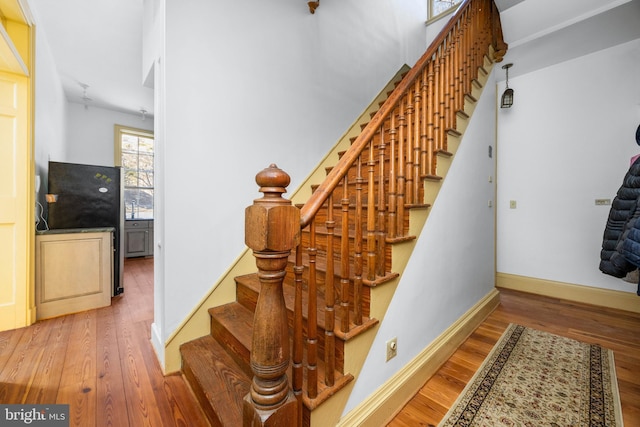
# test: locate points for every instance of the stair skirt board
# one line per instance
(383, 404)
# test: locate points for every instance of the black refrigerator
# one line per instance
(89, 196)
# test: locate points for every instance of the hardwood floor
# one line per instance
(100, 362)
(617, 330)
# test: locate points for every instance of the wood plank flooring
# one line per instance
(100, 362)
(617, 330)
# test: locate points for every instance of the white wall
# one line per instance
(50, 129)
(566, 142)
(254, 83)
(91, 133)
(452, 266)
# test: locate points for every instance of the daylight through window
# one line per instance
(438, 7)
(136, 158)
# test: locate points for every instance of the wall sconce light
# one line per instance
(313, 5)
(507, 96)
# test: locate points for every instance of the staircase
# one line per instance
(283, 352)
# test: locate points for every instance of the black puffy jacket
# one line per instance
(623, 213)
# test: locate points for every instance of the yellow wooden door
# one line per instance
(14, 229)
(17, 221)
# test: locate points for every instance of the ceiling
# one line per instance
(541, 33)
(99, 43)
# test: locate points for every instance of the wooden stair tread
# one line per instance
(198, 356)
(217, 381)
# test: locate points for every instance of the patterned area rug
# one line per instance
(533, 378)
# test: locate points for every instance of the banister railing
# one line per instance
(348, 224)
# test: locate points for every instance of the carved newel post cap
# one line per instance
(273, 180)
(272, 223)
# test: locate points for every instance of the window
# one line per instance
(134, 152)
(439, 7)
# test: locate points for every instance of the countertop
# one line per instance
(76, 230)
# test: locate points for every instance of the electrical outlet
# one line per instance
(392, 348)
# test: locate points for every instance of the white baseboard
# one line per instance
(609, 298)
(157, 344)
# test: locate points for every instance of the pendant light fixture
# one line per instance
(507, 96)
(85, 98)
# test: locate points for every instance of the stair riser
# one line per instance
(234, 347)
(200, 394)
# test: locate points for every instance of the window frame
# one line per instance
(119, 132)
(432, 18)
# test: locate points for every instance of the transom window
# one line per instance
(134, 152)
(440, 7)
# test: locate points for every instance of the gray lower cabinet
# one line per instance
(138, 238)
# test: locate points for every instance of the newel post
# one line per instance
(272, 230)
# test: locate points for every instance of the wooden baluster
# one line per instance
(460, 61)
(417, 182)
(442, 138)
(456, 70)
(344, 259)
(436, 103)
(431, 95)
(371, 215)
(408, 153)
(481, 38)
(474, 45)
(329, 297)
(357, 247)
(272, 230)
(452, 81)
(447, 84)
(470, 61)
(312, 316)
(393, 176)
(401, 170)
(381, 234)
(424, 124)
(479, 41)
(467, 48)
(298, 343)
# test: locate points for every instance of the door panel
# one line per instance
(14, 201)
